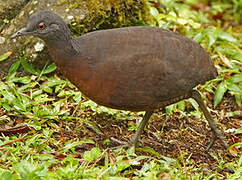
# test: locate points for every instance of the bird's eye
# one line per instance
(41, 26)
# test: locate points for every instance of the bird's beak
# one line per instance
(21, 32)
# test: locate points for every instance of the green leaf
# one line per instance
(27, 86)
(8, 96)
(233, 113)
(49, 69)
(28, 67)
(23, 80)
(235, 88)
(194, 104)
(5, 55)
(14, 67)
(28, 170)
(227, 37)
(236, 78)
(194, 24)
(6, 106)
(212, 38)
(198, 37)
(51, 83)
(6, 175)
(219, 93)
(181, 105)
(93, 126)
(42, 98)
(92, 155)
(169, 109)
(69, 145)
(154, 12)
(47, 89)
(149, 150)
(19, 105)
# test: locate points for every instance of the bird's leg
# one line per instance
(216, 133)
(135, 139)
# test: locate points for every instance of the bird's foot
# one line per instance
(128, 144)
(216, 133)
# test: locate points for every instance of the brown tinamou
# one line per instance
(131, 68)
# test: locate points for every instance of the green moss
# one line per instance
(106, 14)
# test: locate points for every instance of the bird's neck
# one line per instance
(61, 48)
(73, 65)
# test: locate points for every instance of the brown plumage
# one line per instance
(132, 68)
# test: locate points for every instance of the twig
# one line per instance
(183, 162)
(15, 130)
(13, 141)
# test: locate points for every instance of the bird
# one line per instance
(137, 68)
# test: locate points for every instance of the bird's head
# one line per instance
(45, 25)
